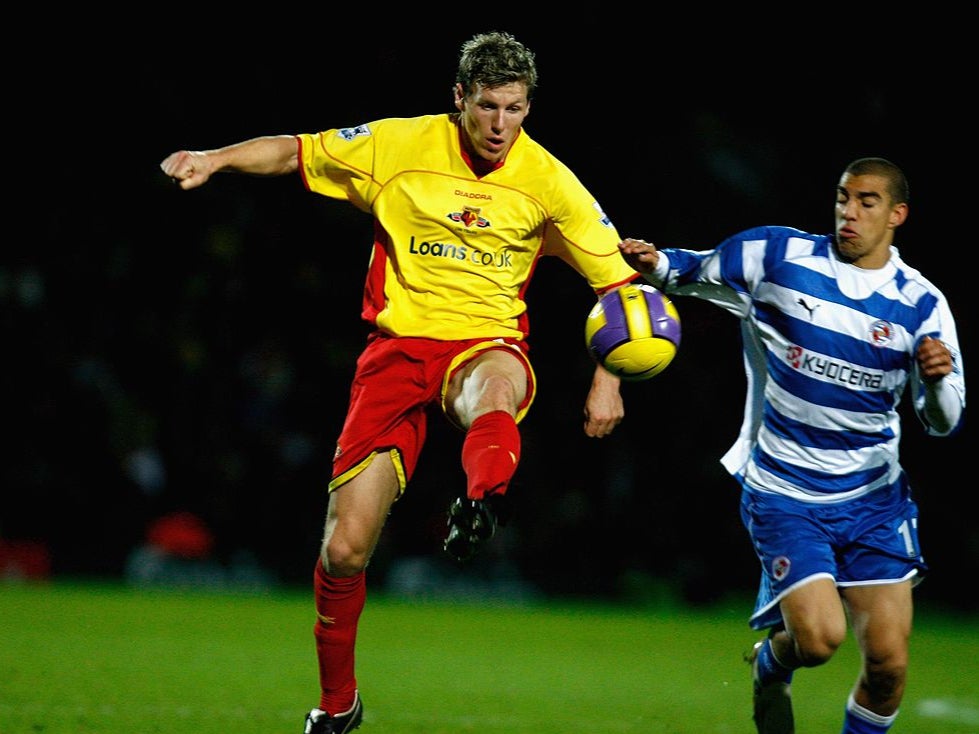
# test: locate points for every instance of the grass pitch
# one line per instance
(103, 659)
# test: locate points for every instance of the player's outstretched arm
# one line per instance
(604, 409)
(270, 155)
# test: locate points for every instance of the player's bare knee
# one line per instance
(343, 559)
(817, 649)
(498, 392)
(815, 655)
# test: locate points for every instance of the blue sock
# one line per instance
(769, 668)
(858, 720)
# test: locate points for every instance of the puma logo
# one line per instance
(810, 309)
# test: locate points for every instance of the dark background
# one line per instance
(170, 350)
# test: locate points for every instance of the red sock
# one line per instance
(490, 453)
(339, 602)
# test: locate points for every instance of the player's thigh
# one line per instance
(494, 379)
(815, 617)
(881, 616)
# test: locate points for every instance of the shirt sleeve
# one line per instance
(339, 163)
(581, 233)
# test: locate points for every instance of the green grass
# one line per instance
(101, 659)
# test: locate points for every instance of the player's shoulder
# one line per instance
(912, 281)
(408, 125)
(529, 152)
(781, 241)
(396, 127)
(778, 233)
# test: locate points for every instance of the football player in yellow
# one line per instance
(464, 204)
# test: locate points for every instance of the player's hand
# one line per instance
(604, 409)
(188, 168)
(640, 255)
(934, 359)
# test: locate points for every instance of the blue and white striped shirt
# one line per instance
(828, 351)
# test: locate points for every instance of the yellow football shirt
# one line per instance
(454, 253)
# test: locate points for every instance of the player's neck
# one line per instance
(477, 164)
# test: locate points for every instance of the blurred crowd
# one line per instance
(188, 354)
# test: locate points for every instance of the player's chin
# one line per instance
(493, 151)
(848, 247)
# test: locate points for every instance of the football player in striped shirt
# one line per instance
(836, 329)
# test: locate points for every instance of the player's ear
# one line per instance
(899, 214)
(459, 95)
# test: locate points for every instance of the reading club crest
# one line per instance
(881, 333)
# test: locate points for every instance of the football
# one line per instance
(633, 331)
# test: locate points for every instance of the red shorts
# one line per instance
(396, 380)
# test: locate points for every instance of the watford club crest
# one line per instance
(470, 217)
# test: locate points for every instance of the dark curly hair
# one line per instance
(493, 59)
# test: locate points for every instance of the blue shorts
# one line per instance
(868, 540)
